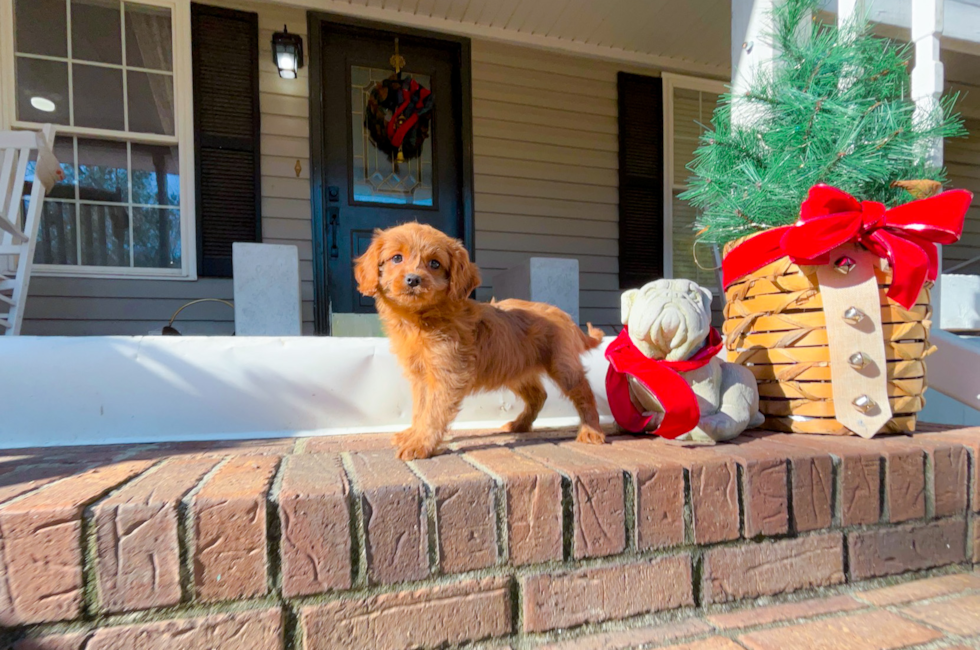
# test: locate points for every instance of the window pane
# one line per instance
(102, 171)
(377, 177)
(41, 86)
(156, 238)
(41, 27)
(98, 97)
(156, 180)
(56, 240)
(95, 31)
(151, 103)
(149, 39)
(105, 235)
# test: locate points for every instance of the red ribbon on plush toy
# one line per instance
(905, 235)
(662, 379)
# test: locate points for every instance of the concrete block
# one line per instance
(960, 302)
(550, 280)
(267, 290)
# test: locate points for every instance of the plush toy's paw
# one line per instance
(590, 436)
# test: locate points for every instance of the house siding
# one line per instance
(546, 184)
(962, 158)
(545, 143)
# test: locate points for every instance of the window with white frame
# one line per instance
(106, 72)
(689, 106)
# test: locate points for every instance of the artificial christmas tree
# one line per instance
(821, 193)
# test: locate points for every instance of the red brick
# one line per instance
(765, 487)
(568, 599)
(350, 443)
(598, 499)
(229, 530)
(811, 483)
(657, 491)
(758, 616)
(138, 563)
(626, 639)
(955, 616)
(253, 629)
(714, 487)
(975, 539)
(905, 478)
(466, 521)
(866, 631)
(41, 545)
(948, 477)
(434, 616)
(911, 547)
(771, 568)
(970, 439)
(921, 589)
(314, 524)
(221, 448)
(858, 475)
(395, 521)
(711, 643)
(533, 504)
(27, 478)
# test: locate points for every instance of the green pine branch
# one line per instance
(835, 109)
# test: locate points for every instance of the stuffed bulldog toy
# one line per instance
(664, 375)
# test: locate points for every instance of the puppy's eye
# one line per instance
(434, 264)
(397, 259)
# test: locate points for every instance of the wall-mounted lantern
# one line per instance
(287, 53)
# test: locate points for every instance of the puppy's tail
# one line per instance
(594, 338)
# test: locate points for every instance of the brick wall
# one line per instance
(331, 542)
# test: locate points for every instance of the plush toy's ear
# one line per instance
(464, 276)
(707, 297)
(627, 300)
(367, 270)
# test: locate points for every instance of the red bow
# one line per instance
(905, 235)
(662, 379)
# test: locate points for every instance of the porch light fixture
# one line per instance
(42, 104)
(287, 53)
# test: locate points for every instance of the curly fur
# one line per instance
(451, 346)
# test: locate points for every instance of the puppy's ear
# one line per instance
(464, 276)
(626, 301)
(366, 267)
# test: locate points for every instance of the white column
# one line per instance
(927, 87)
(750, 52)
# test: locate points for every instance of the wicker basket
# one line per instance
(775, 326)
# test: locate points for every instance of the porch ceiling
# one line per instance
(690, 36)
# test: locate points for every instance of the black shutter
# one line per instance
(226, 134)
(641, 180)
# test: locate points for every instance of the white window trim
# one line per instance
(183, 138)
(670, 83)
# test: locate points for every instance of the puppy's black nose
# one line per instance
(413, 280)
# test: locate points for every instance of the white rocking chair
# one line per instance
(18, 237)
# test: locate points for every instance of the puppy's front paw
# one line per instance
(402, 438)
(590, 436)
(518, 426)
(415, 451)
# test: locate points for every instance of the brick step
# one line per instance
(332, 542)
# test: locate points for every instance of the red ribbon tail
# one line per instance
(910, 266)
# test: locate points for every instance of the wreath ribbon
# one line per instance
(905, 235)
(412, 102)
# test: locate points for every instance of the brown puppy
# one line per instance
(451, 346)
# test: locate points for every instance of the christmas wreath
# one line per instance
(398, 116)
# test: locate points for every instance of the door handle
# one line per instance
(334, 220)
